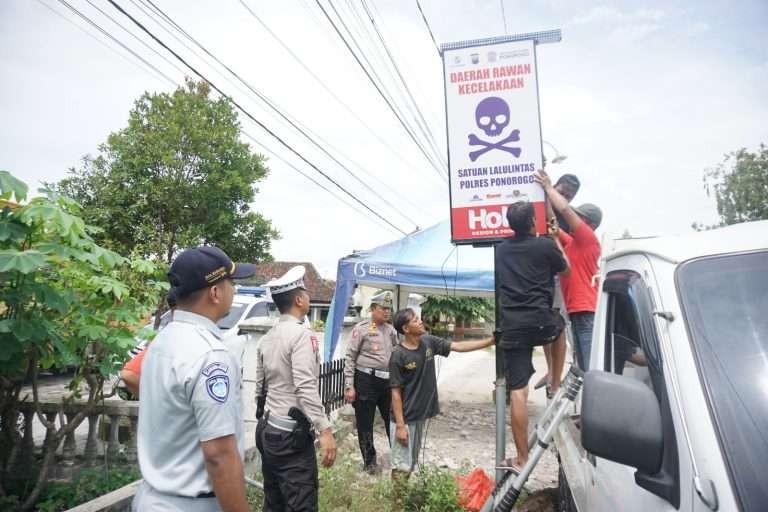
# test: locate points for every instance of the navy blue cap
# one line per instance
(202, 267)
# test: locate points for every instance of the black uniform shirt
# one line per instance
(526, 268)
(413, 371)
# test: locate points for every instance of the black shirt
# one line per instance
(526, 268)
(413, 371)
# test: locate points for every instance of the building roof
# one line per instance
(320, 290)
(748, 236)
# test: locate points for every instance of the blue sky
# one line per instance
(641, 97)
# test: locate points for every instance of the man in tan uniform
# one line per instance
(366, 373)
(287, 369)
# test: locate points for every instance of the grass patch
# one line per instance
(344, 488)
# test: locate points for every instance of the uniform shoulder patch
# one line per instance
(217, 381)
(215, 367)
(218, 387)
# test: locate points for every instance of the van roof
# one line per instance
(747, 236)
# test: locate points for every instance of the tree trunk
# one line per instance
(49, 452)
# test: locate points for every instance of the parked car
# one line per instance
(674, 409)
(249, 303)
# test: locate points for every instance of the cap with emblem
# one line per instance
(204, 266)
(383, 299)
(291, 280)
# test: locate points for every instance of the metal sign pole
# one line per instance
(501, 383)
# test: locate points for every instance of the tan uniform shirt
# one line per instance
(287, 370)
(370, 346)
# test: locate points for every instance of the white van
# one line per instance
(674, 409)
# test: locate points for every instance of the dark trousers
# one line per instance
(582, 324)
(289, 471)
(372, 392)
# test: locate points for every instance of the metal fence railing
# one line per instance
(332, 384)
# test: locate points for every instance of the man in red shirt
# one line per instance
(583, 251)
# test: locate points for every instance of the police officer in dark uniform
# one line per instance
(366, 373)
(289, 408)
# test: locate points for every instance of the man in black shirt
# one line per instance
(414, 386)
(526, 265)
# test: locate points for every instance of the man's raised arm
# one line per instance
(559, 203)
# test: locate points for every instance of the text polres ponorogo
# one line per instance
(475, 176)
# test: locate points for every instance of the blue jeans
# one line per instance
(582, 324)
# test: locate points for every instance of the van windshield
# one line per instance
(725, 303)
(235, 312)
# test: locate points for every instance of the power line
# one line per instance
(310, 178)
(245, 133)
(429, 29)
(431, 136)
(276, 109)
(381, 83)
(114, 39)
(140, 40)
(100, 41)
(324, 86)
(372, 68)
(247, 113)
(391, 107)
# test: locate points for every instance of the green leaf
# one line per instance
(21, 261)
(26, 330)
(55, 300)
(57, 249)
(10, 186)
(108, 258)
(6, 325)
(12, 231)
(54, 218)
(94, 332)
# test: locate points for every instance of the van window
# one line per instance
(233, 317)
(633, 351)
(724, 301)
(624, 350)
(258, 309)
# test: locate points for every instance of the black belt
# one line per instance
(206, 495)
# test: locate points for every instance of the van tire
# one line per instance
(566, 503)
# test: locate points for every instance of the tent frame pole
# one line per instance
(500, 397)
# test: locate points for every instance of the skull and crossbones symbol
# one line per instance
(492, 116)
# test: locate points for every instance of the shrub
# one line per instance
(89, 485)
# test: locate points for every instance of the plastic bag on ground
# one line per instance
(474, 489)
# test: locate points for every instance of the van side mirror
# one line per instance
(621, 421)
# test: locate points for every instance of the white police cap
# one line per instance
(291, 280)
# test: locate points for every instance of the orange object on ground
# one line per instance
(474, 490)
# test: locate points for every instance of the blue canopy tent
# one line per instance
(423, 262)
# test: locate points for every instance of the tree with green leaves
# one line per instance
(65, 302)
(463, 309)
(177, 176)
(740, 186)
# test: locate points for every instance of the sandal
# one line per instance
(507, 465)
